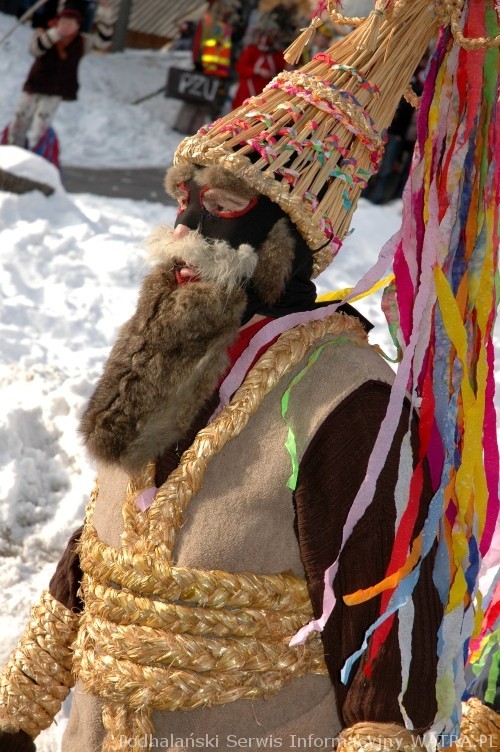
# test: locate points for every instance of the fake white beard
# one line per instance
(216, 261)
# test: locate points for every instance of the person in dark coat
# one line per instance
(53, 77)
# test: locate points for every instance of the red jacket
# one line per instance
(255, 69)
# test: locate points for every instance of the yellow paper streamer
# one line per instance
(344, 292)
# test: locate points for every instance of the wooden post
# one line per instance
(121, 26)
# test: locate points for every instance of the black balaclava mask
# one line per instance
(253, 226)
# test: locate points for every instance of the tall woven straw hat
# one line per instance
(314, 137)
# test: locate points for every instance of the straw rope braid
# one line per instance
(157, 636)
(116, 717)
(151, 575)
(136, 525)
(480, 729)
(308, 161)
(127, 608)
(376, 737)
(450, 14)
(338, 17)
(480, 725)
(166, 512)
(347, 110)
(37, 677)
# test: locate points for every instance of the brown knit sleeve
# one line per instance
(66, 579)
(330, 474)
(20, 741)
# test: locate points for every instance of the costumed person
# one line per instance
(262, 58)
(212, 56)
(279, 550)
(53, 77)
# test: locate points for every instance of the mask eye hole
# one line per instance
(223, 204)
(182, 194)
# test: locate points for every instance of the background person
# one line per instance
(53, 77)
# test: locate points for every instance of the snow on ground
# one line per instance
(70, 270)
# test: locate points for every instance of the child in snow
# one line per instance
(53, 77)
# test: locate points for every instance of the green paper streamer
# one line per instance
(291, 443)
(493, 677)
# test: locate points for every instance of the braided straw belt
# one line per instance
(480, 727)
(479, 730)
(37, 677)
(169, 638)
(160, 637)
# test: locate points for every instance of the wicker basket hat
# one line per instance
(316, 135)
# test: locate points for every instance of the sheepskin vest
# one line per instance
(242, 520)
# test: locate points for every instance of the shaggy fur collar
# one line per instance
(164, 365)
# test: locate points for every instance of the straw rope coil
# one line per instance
(37, 677)
(160, 637)
(479, 729)
(340, 18)
(177, 660)
(313, 138)
(450, 14)
(376, 737)
(480, 726)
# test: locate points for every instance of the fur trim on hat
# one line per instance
(275, 260)
(215, 176)
(175, 176)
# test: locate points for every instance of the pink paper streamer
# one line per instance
(146, 498)
(492, 460)
(383, 441)
(270, 331)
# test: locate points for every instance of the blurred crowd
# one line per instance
(243, 48)
(236, 46)
(244, 51)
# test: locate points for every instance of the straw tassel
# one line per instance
(294, 51)
(368, 40)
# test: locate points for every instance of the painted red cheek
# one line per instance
(180, 280)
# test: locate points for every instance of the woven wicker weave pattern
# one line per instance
(37, 677)
(313, 138)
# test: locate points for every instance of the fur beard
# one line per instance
(166, 361)
(216, 261)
